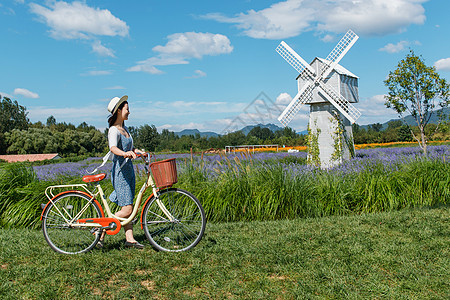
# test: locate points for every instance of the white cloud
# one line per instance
(328, 38)
(373, 110)
(292, 17)
(185, 113)
(144, 66)
(189, 125)
(98, 48)
(197, 74)
(97, 73)
(79, 21)
(395, 48)
(280, 20)
(195, 45)
(443, 64)
(184, 46)
(220, 114)
(300, 121)
(26, 93)
(283, 99)
(116, 87)
(75, 115)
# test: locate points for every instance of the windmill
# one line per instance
(330, 90)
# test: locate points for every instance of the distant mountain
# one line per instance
(411, 121)
(272, 127)
(207, 134)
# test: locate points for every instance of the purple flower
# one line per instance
(294, 164)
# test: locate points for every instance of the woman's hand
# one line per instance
(118, 152)
(141, 152)
(130, 154)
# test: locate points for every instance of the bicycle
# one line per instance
(172, 219)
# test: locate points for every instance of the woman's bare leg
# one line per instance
(125, 212)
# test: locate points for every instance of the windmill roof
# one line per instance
(338, 68)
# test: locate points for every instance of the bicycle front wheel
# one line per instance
(58, 218)
(177, 223)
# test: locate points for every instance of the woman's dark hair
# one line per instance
(113, 118)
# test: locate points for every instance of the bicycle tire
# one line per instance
(59, 234)
(181, 234)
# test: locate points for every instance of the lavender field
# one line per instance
(390, 159)
(266, 186)
(383, 159)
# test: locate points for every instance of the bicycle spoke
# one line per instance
(187, 228)
(195, 231)
(58, 232)
(161, 217)
(187, 217)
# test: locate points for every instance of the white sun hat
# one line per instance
(115, 103)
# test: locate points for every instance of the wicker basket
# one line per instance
(164, 172)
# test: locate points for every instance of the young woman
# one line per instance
(122, 173)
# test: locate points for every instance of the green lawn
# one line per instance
(400, 255)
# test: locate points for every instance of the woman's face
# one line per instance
(124, 112)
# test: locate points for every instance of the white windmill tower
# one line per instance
(329, 89)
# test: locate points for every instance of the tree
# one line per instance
(232, 139)
(12, 116)
(416, 89)
(166, 140)
(44, 140)
(376, 127)
(85, 127)
(51, 121)
(287, 132)
(261, 133)
(147, 137)
(404, 134)
(392, 125)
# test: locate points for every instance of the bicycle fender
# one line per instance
(142, 212)
(74, 191)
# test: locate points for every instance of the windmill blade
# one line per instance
(294, 59)
(338, 52)
(302, 97)
(345, 107)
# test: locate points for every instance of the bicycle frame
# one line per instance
(98, 191)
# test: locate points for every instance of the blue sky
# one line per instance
(202, 64)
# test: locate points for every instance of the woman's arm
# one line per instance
(118, 152)
(113, 140)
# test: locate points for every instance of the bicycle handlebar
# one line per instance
(144, 156)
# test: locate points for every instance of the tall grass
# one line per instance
(269, 191)
(246, 188)
(20, 196)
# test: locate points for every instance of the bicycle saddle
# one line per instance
(94, 178)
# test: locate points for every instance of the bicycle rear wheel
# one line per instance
(184, 231)
(64, 210)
